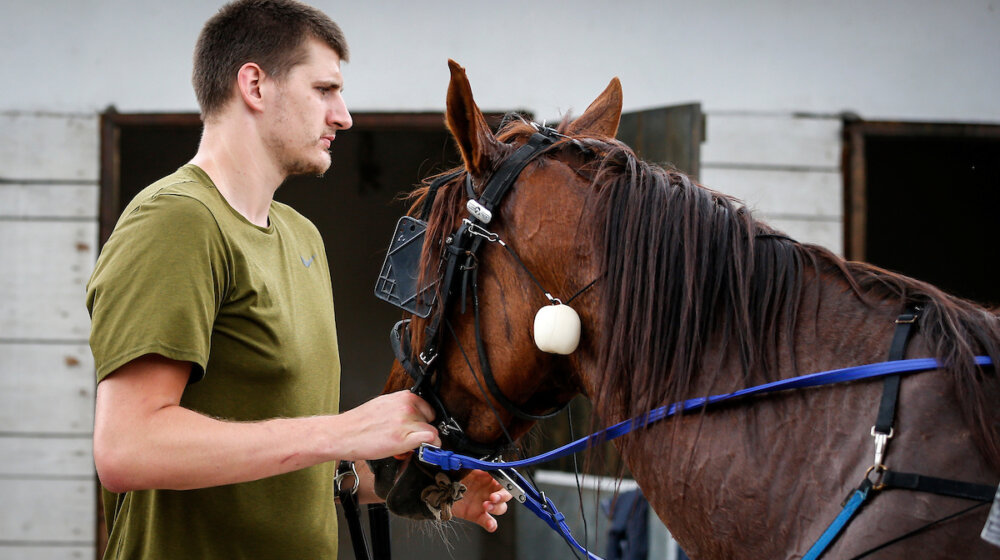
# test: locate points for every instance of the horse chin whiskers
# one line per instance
(445, 532)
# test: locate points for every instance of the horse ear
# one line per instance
(467, 124)
(603, 114)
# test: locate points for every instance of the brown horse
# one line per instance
(694, 296)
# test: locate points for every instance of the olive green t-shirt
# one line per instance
(186, 276)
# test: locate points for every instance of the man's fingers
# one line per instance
(496, 507)
(424, 408)
(487, 522)
(416, 438)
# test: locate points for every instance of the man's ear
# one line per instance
(249, 82)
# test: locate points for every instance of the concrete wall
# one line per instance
(772, 78)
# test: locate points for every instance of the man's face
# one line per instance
(307, 112)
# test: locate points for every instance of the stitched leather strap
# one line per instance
(890, 388)
(941, 486)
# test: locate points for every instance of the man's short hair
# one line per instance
(270, 33)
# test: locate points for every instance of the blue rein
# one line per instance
(543, 507)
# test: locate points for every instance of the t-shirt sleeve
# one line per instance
(158, 286)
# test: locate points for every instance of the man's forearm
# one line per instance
(179, 449)
(144, 439)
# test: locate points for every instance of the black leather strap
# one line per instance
(436, 184)
(941, 486)
(890, 388)
(378, 521)
(349, 501)
(504, 178)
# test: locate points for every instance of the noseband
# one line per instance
(458, 266)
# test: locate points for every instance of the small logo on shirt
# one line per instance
(309, 262)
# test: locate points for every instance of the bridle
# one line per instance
(458, 267)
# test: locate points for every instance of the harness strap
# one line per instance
(890, 389)
(487, 371)
(543, 508)
(378, 521)
(940, 486)
(349, 501)
(436, 184)
(447, 426)
(851, 507)
(503, 179)
(453, 250)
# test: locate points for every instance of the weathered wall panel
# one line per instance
(784, 167)
(48, 228)
(751, 140)
(47, 512)
(48, 147)
(47, 267)
(46, 389)
(46, 552)
(784, 192)
(58, 201)
(27, 457)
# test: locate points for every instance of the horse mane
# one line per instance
(687, 267)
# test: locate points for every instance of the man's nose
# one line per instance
(339, 116)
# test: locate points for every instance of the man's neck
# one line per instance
(240, 168)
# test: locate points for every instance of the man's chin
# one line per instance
(312, 169)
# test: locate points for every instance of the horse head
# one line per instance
(489, 376)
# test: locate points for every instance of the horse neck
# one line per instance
(693, 468)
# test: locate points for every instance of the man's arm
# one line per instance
(144, 439)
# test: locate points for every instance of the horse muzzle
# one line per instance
(416, 491)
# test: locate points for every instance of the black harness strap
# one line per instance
(890, 388)
(940, 486)
(883, 430)
(349, 501)
(378, 521)
(436, 184)
(504, 178)
(487, 371)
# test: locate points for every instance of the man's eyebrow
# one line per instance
(330, 83)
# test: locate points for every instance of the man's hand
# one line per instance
(384, 426)
(484, 498)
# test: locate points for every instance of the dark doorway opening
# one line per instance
(922, 200)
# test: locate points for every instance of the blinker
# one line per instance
(398, 280)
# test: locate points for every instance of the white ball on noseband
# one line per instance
(557, 329)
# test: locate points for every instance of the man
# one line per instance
(217, 428)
